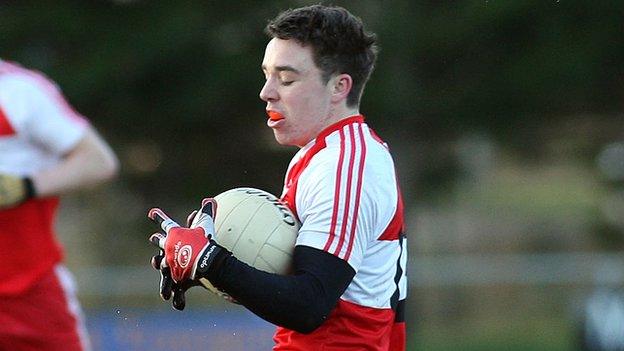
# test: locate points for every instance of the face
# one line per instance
(294, 89)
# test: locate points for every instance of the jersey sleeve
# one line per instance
(304, 299)
(332, 206)
(46, 117)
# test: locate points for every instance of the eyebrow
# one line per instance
(283, 68)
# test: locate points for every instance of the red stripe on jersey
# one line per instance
(358, 192)
(332, 228)
(396, 225)
(376, 137)
(295, 171)
(293, 175)
(345, 216)
(5, 125)
(339, 125)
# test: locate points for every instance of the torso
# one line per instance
(37, 127)
(343, 188)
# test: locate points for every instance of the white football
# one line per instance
(257, 228)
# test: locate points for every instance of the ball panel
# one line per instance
(257, 232)
(263, 265)
(239, 211)
(227, 202)
(282, 237)
(257, 228)
(279, 261)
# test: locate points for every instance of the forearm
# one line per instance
(299, 302)
(89, 163)
(286, 301)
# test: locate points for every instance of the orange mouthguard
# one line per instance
(275, 116)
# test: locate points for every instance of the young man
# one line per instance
(47, 149)
(349, 285)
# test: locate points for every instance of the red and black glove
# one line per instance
(186, 254)
(168, 287)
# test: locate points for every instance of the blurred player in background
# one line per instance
(46, 149)
(349, 285)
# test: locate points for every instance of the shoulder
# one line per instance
(25, 80)
(11, 83)
(19, 94)
(27, 87)
(354, 149)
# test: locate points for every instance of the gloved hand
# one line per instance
(14, 190)
(186, 253)
(168, 287)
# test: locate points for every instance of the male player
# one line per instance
(46, 149)
(349, 285)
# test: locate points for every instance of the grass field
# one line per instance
(528, 334)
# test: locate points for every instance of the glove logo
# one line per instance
(204, 262)
(184, 256)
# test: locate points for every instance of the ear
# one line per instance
(341, 86)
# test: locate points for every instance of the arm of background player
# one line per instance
(88, 163)
(301, 301)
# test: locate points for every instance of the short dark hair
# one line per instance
(338, 40)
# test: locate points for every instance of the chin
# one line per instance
(282, 140)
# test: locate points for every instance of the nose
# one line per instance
(268, 91)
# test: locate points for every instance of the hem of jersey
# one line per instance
(71, 142)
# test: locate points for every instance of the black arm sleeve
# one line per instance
(301, 301)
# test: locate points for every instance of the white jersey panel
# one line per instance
(374, 284)
(45, 126)
(345, 198)
(403, 265)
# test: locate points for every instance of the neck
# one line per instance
(342, 112)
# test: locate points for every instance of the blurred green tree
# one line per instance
(183, 78)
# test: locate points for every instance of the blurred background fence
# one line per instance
(505, 119)
(517, 301)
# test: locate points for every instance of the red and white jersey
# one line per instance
(343, 188)
(37, 128)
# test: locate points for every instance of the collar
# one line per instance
(339, 125)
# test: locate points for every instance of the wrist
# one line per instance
(210, 260)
